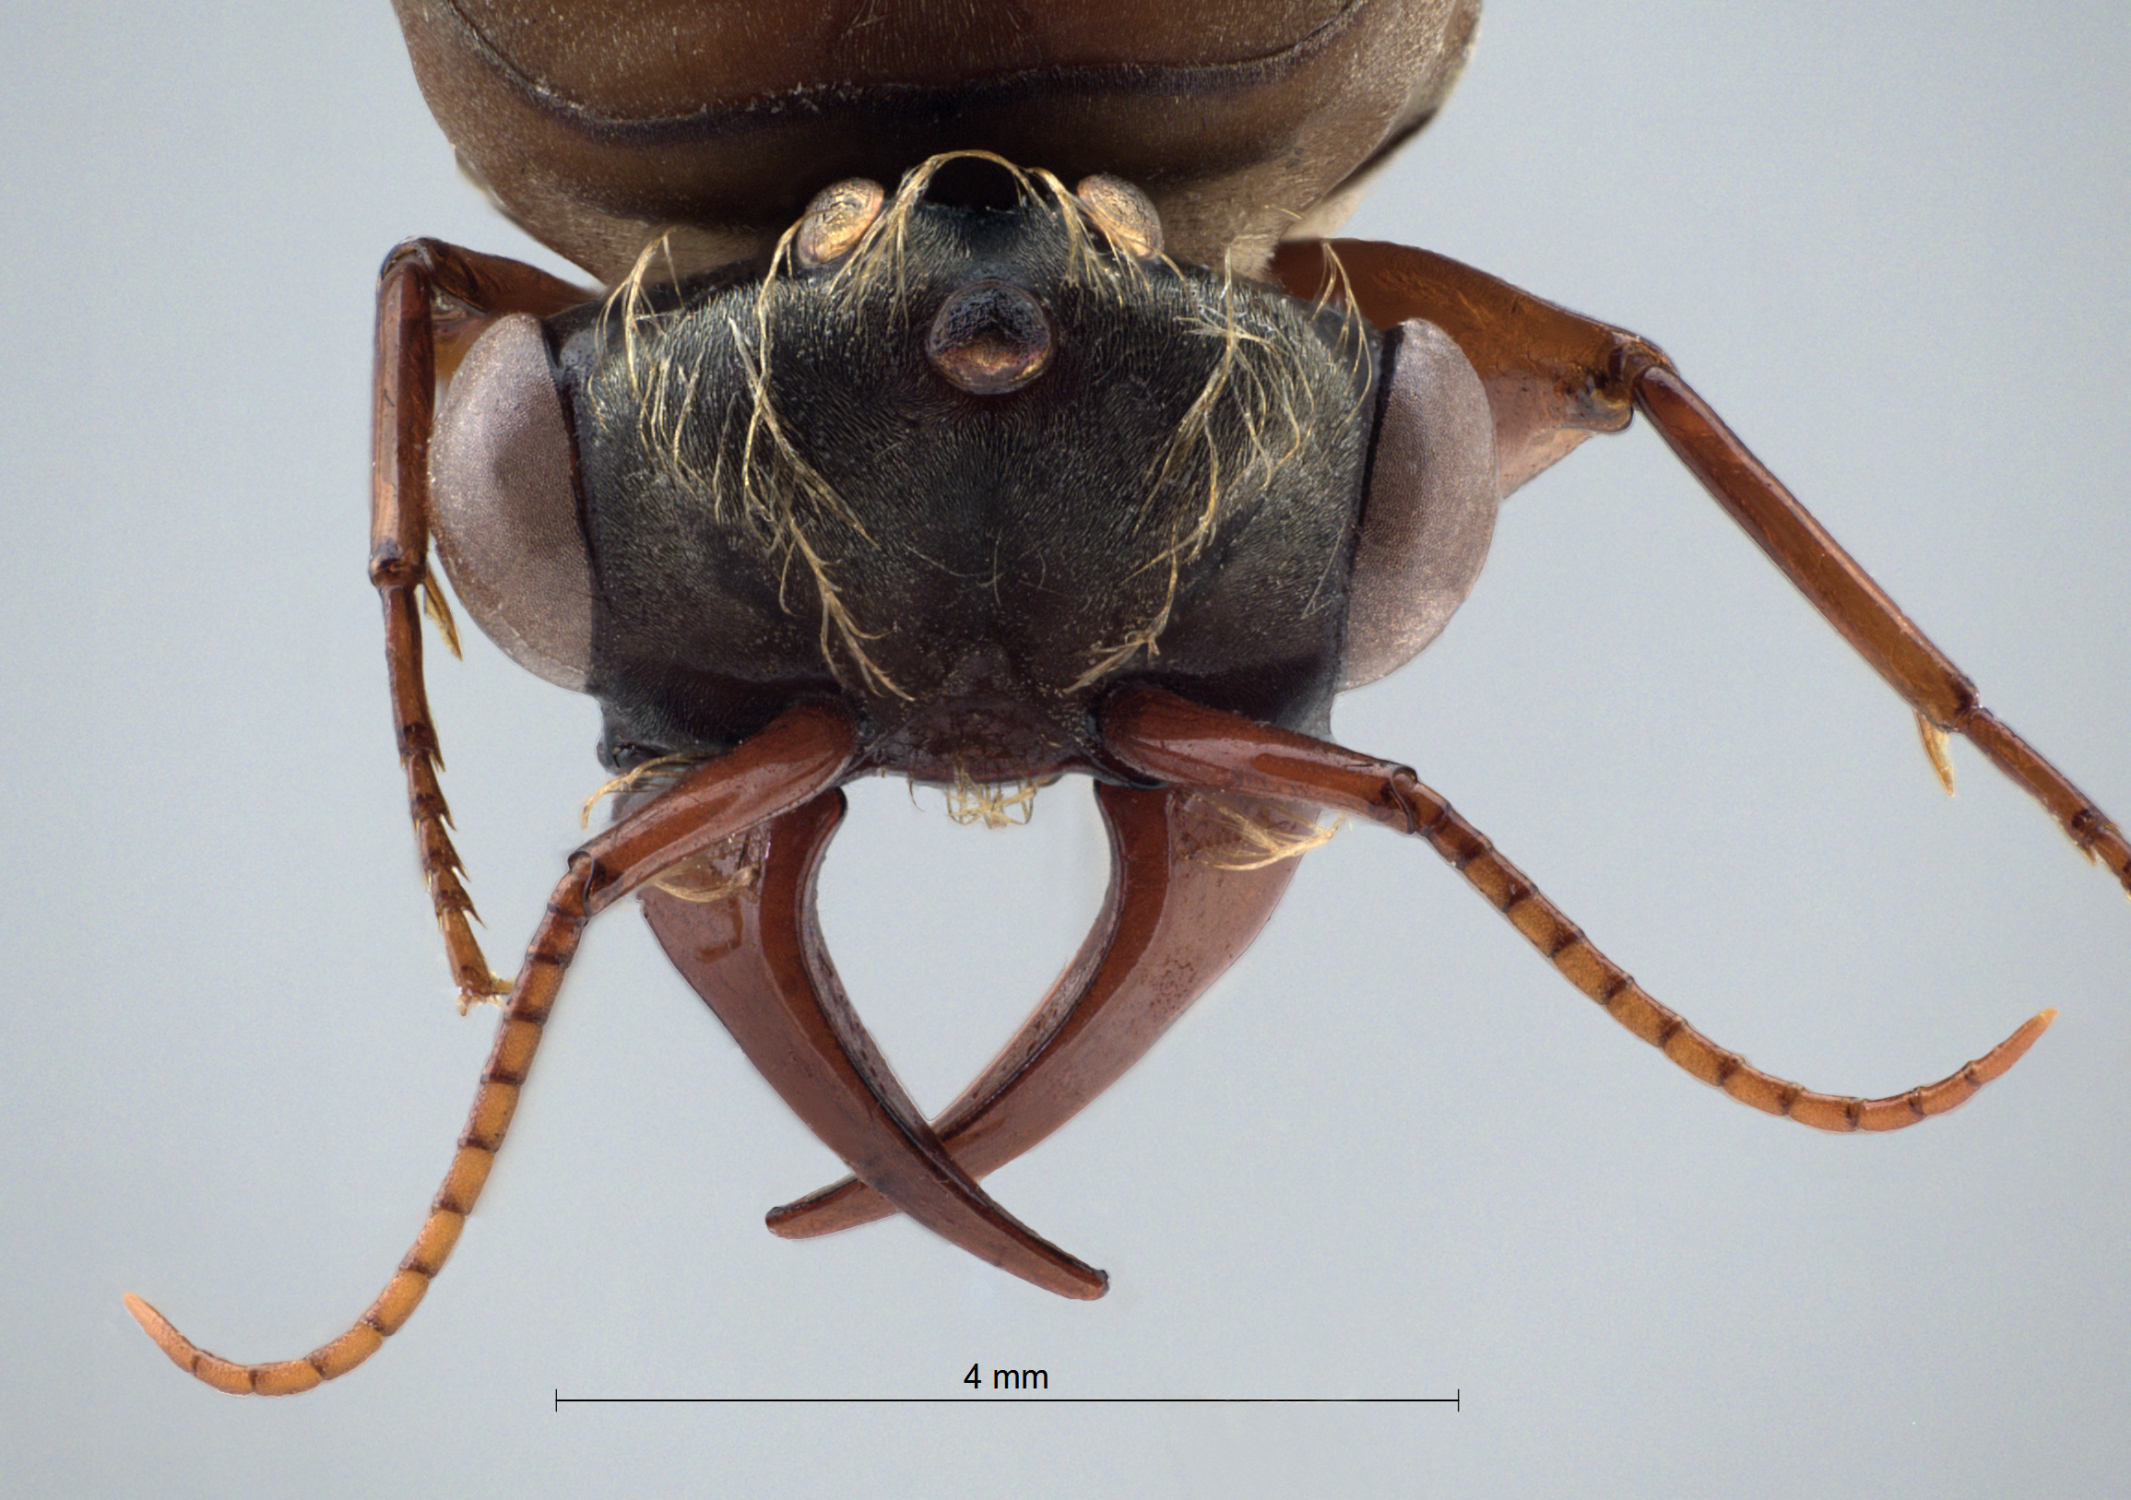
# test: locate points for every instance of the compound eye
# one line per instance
(1430, 508)
(1124, 215)
(989, 338)
(837, 219)
(503, 503)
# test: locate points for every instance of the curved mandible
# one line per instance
(749, 942)
(1193, 878)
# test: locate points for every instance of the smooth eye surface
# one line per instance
(503, 485)
(1429, 512)
(989, 338)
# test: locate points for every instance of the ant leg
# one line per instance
(1552, 377)
(1943, 697)
(1547, 371)
(433, 301)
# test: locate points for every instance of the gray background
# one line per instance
(1394, 1155)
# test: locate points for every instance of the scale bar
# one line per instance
(1455, 1401)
